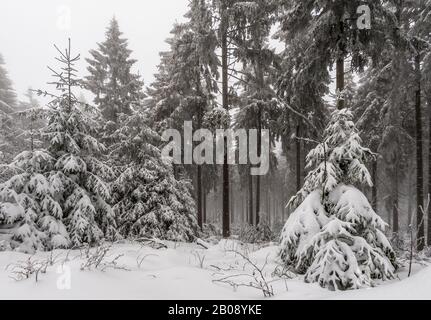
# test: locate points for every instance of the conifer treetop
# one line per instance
(117, 89)
(338, 159)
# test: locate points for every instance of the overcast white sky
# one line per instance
(29, 28)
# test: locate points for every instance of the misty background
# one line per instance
(30, 28)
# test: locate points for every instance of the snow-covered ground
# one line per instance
(185, 271)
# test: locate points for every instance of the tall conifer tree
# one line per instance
(112, 80)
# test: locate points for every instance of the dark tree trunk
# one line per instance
(375, 186)
(199, 196)
(395, 210)
(340, 82)
(200, 192)
(340, 59)
(261, 83)
(268, 202)
(298, 159)
(411, 199)
(250, 197)
(258, 177)
(244, 216)
(283, 204)
(390, 214)
(419, 160)
(250, 215)
(247, 208)
(225, 102)
(429, 174)
(232, 206)
(204, 203)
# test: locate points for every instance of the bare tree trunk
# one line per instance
(250, 188)
(232, 206)
(205, 199)
(340, 82)
(340, 59)
(258, 177)
(298, 159)
(250, 198)
(375, 185)
(268, 199)
(285, 210)
(247, 208)
(261, 85)
(419, 159)
(390, 214)
(244, 208)
(199, 196)
(429, 173)
(225, 102)
(410, 209)
(395, 211)
(411, 199)
(269, 206)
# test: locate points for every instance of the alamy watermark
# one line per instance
(64, 280)
(64, 18)
(241, 146)
(363, 22)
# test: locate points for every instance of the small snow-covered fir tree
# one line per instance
(150, 202)
(27, 205)
(26, 198)
(334, 236)
(78, 178)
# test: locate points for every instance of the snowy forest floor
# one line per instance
(180, 271)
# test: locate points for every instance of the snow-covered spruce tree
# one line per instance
(116, 88)
(28, 206)
(78, 179)
(29, 211)
(334, 236)
(8, 129)
(150, 202)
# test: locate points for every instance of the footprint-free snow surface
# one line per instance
(226, 270)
